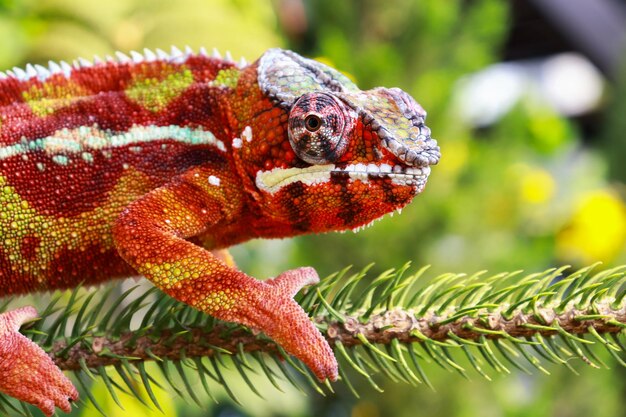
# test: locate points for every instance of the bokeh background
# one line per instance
(528, 101)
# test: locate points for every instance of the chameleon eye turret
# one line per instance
(392, 114)
(320, 127)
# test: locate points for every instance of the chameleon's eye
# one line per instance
(312, 123)
(320, 127)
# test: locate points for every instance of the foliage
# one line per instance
(387, 328)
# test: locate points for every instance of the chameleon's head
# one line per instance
(353, 155)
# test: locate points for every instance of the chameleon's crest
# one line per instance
(284, 76)
(390, 112)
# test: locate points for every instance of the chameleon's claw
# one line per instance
(26, 371)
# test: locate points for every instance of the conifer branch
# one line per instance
(404, 326)
(398, 324)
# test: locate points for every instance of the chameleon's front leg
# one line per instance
(150, 235)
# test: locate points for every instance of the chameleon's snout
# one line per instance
(399, 122)
(414, 145)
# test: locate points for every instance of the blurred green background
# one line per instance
(523, 183)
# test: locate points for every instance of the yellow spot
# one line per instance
(227, 78)
(156, 92)
(19, 219)
(597, 230)
(218, 300)
(47, 98)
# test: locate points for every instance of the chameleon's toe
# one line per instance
(63, 393)
(290, 282)
(26, 371)
(48, 401)
(63, 396)
(45, 405)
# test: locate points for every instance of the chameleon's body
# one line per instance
(147, 164)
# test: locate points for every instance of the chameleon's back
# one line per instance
(79, 143)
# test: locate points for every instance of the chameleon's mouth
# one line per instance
(274, 180)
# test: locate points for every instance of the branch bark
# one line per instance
(378, 329)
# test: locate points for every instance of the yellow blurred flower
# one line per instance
(596, 231)
(536, 185)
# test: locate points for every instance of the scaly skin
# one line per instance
(153, 165)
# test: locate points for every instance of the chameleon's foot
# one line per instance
(26, 371)
(288, 324)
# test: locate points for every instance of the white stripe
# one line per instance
(86, 138)
(275, 179)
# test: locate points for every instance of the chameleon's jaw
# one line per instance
(274, 180)
(399, 174)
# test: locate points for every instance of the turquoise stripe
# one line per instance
(86, 138)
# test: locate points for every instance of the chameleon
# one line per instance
(152, 164)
